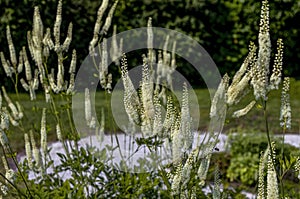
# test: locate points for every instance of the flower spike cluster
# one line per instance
(99, 22)
(217, 108)
(254, 72)
(264, 53)
(285, 111)
(186, 120)
(90, 119)
(240, 82)
(269, 188)
(28, 150)
(32, 82)
(116, 50)
(14, 115)
(13, 65)
(35, 151)
(131, 100)
(275, 78)
(43, 132)
(9, 177)
(272, 184)
(39, 44)
(261, 176)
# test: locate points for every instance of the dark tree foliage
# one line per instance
(224, 28)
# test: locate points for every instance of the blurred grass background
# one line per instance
(252, 122)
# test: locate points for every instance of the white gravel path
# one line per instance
(123, 140)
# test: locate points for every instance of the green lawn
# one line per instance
(252, 122)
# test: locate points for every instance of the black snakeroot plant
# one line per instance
(92, 171)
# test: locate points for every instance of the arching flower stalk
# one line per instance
(51, 80)
(260, 84)
(14, 65)
(72, 69)
(172, 66)
(239, 86)
(35, 151)
(28, 151)
(166, 64)
(44, 133)
(170, 117)
(67, 42)
(100, 129)
(57, 24)
(115, 53)
(147, 99)
(60, 83)
(176, 181)
(9, 176)
(186, 172)
(131, 100)
(6, 66)
(244, 111)
(151, 53)
(109, 17)
(32, 83)
(160, 66)
(8, 118)
(272, 184)
(275, 78)
(40, 44)
(218, 108)
(4, 119)
(99, 22)
(58, 133)
(166, 54)
(90, 120)
(203, 169)
(115, 50)
(157, 122)
(104, 77)
(11, 47)
(34, 40)
(186, 121)
(177, 142)
(3, 139)
(217, 184)
(285, 111)
(16, 111)
(261, 175)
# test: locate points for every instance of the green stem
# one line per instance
(110, 122)
(55, 112)
(14, 186)
(268, 136)
(18, 168)
(282, 158)
(267, 126)
(15, 82)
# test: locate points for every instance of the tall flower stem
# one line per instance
(281, 178)
(267, 125)
(282, 172)
(55, 113)
(13, 185)
(269, 141)
(18, 168)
